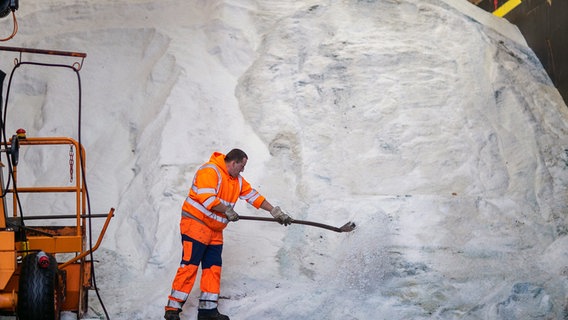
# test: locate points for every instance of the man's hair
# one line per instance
(237, 155)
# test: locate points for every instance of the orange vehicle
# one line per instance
(45, 257)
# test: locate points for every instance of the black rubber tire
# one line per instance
(38, 297)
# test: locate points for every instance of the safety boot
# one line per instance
(172, 314)
(212, 314)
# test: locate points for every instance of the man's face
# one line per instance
(235, 168)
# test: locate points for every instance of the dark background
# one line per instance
(544, 24)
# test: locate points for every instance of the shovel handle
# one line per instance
(349, 226)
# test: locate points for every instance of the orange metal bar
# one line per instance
(8, 301)
(77, 65)
(48, 140)
(2, 214)
(44, 189)
(15, 200)
(101, 235)
(42, 51)
(73, 287)
(56, 244)
(7, 257)
(79, 162)
(3, 208)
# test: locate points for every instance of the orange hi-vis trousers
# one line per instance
(201, 245)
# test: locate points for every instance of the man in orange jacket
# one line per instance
(217, 185)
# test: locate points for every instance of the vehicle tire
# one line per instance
(38, 294)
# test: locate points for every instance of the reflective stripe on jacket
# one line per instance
(212, 185)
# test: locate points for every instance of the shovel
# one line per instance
(348, 227)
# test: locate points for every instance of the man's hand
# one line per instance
(231, 214)
(280, 216)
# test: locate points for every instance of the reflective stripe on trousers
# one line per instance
(208, 300)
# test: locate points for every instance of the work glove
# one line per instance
(231, 214)
(280, 216)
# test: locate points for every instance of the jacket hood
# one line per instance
(218, 159)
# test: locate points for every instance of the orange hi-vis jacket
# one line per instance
(212, 185)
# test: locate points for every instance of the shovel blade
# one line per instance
(348, 227)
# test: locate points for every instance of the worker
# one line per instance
(205, 213)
